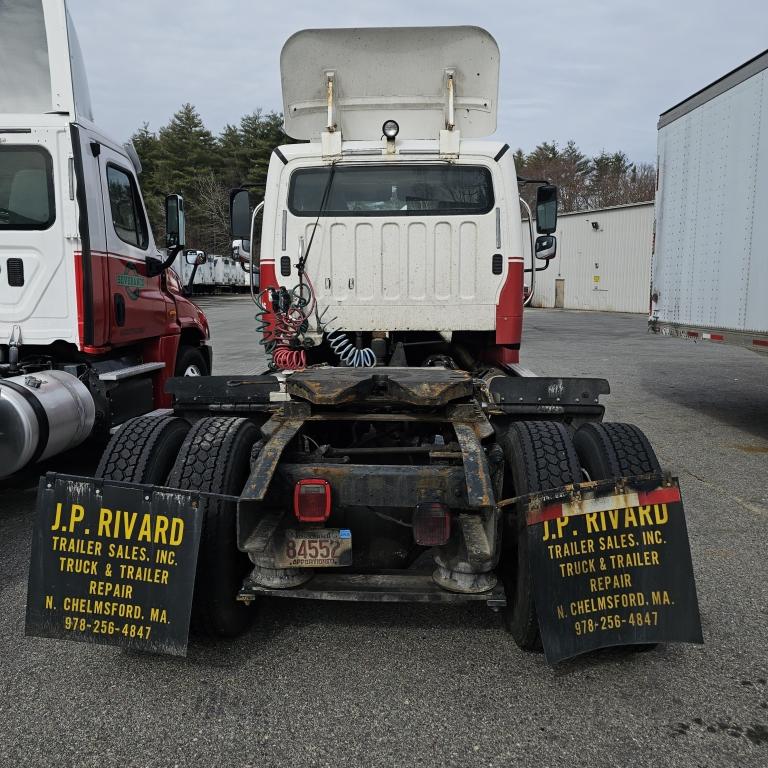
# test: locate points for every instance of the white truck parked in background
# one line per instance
(710, 266)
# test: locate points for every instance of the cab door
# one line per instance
(138, 307)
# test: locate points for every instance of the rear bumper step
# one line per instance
(382, 587)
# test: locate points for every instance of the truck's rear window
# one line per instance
(391, 190)
(26, 188)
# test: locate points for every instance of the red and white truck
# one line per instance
(710, 266)
(92, 322)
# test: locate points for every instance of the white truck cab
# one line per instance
(397, 216)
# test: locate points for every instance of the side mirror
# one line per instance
(240, 214)
(546, 209)
(240, 248)
(175, 229)
(196, 257)
(545, 248)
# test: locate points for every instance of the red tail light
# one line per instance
(312, 500)
(431, 524)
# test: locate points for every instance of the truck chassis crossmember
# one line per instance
(385, 441)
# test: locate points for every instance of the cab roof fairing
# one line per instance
(41, 57)
(390, 73)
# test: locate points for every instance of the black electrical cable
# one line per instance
(321, 211)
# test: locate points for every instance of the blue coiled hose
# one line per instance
(347, 352)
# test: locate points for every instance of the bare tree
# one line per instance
(210, 207)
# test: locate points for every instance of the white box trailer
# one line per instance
(710, 266)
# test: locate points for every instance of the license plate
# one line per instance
(320, 548)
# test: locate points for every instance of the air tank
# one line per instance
(42, 414)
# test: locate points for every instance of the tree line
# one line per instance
(586, 183)
(186, 157)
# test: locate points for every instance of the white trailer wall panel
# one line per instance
(711, 263)
(604, 268)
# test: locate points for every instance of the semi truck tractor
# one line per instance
(710, 268)
(92, 324)
(394, 450)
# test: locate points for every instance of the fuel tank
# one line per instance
(42, 414)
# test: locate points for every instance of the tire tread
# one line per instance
(132, 449)
(203, 464)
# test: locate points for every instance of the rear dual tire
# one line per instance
(541, 456)
(215, 458)
(613, 450)
(143, 450)
(212, 456)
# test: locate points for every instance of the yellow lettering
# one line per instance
(77, 515)
(105, 521)
(145, 532)
(129, 520)
(644, 513)
(161, 528)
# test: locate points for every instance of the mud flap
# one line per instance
(113, 563)
(611, 565)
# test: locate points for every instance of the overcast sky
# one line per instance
(596, 72)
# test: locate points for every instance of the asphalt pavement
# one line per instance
(324, 684)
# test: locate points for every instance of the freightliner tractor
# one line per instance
(92, 320)
(394, 449)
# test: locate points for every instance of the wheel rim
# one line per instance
(193, 370)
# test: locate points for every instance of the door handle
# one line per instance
(119, 309)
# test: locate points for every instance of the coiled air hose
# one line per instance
(348, 353)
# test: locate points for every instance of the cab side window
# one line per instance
(125, 204)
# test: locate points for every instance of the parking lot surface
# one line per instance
(343, 684)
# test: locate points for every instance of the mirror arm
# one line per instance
(188, 288)
(537, 269)
(153, 269)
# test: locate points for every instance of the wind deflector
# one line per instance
(25, 76)
(41, 65)
(390, 73)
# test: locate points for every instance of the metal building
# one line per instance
(603, 261)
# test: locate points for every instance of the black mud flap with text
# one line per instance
(113, 563)
(611, 565)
